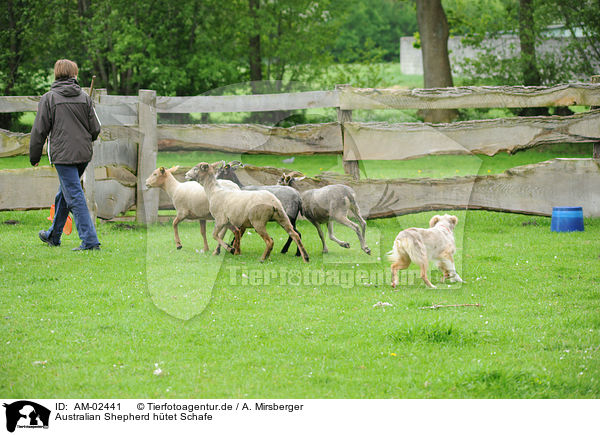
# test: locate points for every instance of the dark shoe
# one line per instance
(44, 238)
(83, 248)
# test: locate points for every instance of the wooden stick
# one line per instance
(435, 307)
(92, 87)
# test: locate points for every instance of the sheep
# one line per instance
(328, 204)
(289, 197)
(242, 209)
(189, 199)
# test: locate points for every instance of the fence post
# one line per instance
(350, 166)
(146, 199)
(596, 152)
(89, 176)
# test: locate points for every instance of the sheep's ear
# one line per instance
(434, 220)
(203, 166)
(173, 169)
(299, 178)
(453, 219)
(162, 170)
(235, 164)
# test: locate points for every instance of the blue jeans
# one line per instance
(70, 198)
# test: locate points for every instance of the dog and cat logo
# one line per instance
(26, 415)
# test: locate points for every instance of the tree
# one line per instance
(482, 23)
(287, 44)
(182, 48)
(582, 20)
(371, 29)
(434, 33)
(26, 41)
(288, 40)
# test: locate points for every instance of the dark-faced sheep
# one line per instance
(330, 204)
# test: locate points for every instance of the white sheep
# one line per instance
(328, 204)
(189, 199)
(241, 209)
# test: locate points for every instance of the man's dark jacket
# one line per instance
(66, 116)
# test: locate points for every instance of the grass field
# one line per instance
(97, 324)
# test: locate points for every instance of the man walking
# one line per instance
(67, 118)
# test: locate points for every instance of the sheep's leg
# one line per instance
(237, 239)
(234, 240)
(217, 250)
(262, 231)
(219, 238)
(296, 236)
(203, 232)
(285, 223)
(176, 231)
(356, 212)
(334, 238)
(347, 222)
(289, 240)
(298, 252)
(321, 236)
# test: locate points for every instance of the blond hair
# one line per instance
(65, 69)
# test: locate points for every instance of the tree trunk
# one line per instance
(528, 61)
(256, 74)
(531, 75)
(434, 31)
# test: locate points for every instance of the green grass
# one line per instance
(94, 324)
(429, 166)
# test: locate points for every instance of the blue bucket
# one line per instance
(567, 219)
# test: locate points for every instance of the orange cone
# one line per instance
(68, 225)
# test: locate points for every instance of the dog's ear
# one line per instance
(434, 220)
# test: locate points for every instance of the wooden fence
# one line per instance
(126, 151)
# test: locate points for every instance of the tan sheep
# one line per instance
(241, 209)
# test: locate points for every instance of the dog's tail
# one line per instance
(409, 245)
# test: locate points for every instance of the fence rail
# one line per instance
(349, 98)
(131, 138)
